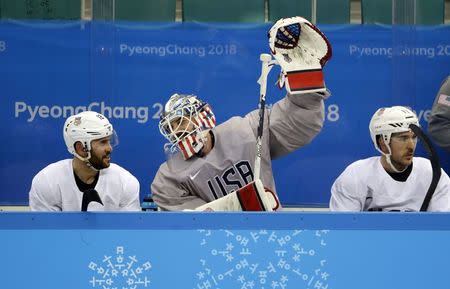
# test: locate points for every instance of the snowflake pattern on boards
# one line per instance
(120, 272)
(263, 259)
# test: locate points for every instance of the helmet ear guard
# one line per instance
(83, 147)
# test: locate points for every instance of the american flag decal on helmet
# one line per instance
(206, 118)
(77, 121)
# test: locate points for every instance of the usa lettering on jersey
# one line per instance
(233, 178)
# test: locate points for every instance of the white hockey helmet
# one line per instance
(86, 127)
(183, 116)
(389, 120)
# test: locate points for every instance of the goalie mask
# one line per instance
(301, 50)
(86, 127)
(184, 123)
(387, 121)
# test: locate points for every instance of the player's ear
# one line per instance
(381, 144)
(80, 149)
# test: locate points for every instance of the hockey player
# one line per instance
(212, 167)
(439, 125)
(69, 185)
(394, 181)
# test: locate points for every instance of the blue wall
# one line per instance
(127, 71)
(224, 250)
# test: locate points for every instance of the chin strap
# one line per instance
(388, 158)
(86, 161)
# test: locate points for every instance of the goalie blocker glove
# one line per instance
(252, 197)
(301, 50)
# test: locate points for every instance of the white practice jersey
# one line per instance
(366, 185)
(54, 189)
(291, 123)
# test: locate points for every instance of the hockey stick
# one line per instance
(90, 195)
(267, 64)
(436, 167)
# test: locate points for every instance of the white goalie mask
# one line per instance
(183, 123)
(86, 127)
(387, 121)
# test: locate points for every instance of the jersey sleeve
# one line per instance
(170, 195)
(345, 195)
(130, 198)
(41, 197)
(292, 122)
(439, 124)
(440, 202)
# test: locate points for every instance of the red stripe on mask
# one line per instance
(183, 150)
(189, 140)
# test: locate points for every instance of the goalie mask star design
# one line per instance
(184, 123)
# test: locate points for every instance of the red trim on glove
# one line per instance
(249, 198)
(306, 79)
(329, 53)
(275, 198)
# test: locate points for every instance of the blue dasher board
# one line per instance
(224, 250)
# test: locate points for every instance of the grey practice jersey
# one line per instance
(365, 185)
(291, 123)
(439, 125)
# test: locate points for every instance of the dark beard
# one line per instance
(97, 163)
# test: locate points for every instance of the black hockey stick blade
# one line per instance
(435, 165)
(90, 195)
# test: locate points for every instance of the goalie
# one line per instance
(211, 167)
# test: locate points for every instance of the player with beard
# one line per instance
(61, 186)
(394, 181)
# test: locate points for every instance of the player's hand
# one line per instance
(301, 50)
